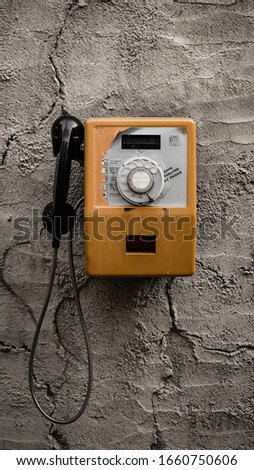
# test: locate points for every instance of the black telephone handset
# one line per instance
(58, 218)
(67, 136)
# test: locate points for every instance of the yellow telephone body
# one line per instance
(140, 196)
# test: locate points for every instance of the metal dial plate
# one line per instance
(152, 185)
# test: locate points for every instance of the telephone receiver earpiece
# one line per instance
(67, 135)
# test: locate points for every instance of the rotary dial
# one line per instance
(140, 181)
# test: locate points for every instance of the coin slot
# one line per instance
(140, 244)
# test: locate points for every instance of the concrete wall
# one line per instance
(173, 358)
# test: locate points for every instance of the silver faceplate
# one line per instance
(171, 158)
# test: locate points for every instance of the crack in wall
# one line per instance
(56, 331)
(14, 136)
(158, 441)
(7, 348)
(10, 139)
(185, 334)
(8, 287)
(57, 438)
(213, 271)
(57, 73)
(49, 392)
(52, 391)
(242, 347)
(47, 116)
(61, 92)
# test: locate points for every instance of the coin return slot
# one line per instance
(140, 244)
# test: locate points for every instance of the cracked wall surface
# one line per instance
(173, 358)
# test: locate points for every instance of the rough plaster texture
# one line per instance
(173, 358)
